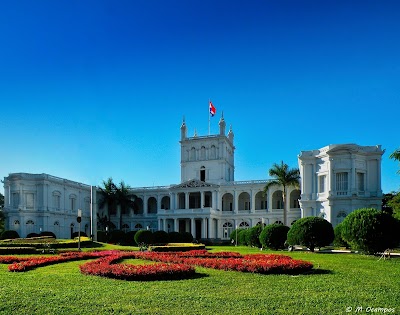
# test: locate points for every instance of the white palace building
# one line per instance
(208, 202)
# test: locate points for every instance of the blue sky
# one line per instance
(97, 89)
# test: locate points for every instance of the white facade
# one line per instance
(208, 202)
(41, 202)
(339, 179)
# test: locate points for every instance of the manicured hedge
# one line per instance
(311, 232)
(274, 236)
(371, 231)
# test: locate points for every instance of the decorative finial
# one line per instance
(195, 133)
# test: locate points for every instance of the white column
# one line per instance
(252, 201)
(202, 199)
(176, 227)
(145, 205)
(186, 200)
(235, 202)
(193, 227)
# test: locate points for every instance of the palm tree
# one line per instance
(396, 156)
(108, 197)
(283, 176)
(125, 199)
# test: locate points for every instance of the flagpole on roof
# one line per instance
(209, 114)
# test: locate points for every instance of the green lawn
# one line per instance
(339, 281)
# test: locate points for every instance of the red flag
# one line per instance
(213, 110)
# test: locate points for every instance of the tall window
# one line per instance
(360, 182)
(342, 183)
(322, 179)
(72, 199)
(15, 200)
(57, 200)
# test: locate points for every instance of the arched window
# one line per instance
(244, 225)
(138, 227)
(30, 227)
(125, 227)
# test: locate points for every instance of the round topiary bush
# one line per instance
(9, 234)
(129, 238)
(274, 236)
(144, 237)
(339, 241)
(160, 237)
(102, 236)
(175, 237)
(187, 237)
(253, 236)
(371, 231)
(311, 232)
(116, 236)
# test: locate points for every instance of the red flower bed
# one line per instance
(107, 267)
(257, 263)
(171, 265)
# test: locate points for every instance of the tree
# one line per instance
(2, 218)
(371, 230)
(394, 204)
(108, 197)
(1, 201)
(311, 232)
(396, 156)
(285, 177)
(125, 199)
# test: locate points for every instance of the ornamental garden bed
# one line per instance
(169, 265)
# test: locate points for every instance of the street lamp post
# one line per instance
(79, 219)
(236, 234)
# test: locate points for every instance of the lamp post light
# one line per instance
(79, 219)
(236, 234)
(107, 234)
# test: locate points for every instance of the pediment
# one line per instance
(193, 183)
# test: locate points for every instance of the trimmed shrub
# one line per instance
(102, 236)
(311, 232)
(242, 237)
(370, 230)
(76, 234)
(9, 234)
(187, 237)
(116, 236)
(160, 237)
(253, 236)
(30, 235)
(144, 236)
(339, 241)
(129, 238)
(48, 233)
(175, 237)
(274, 236)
